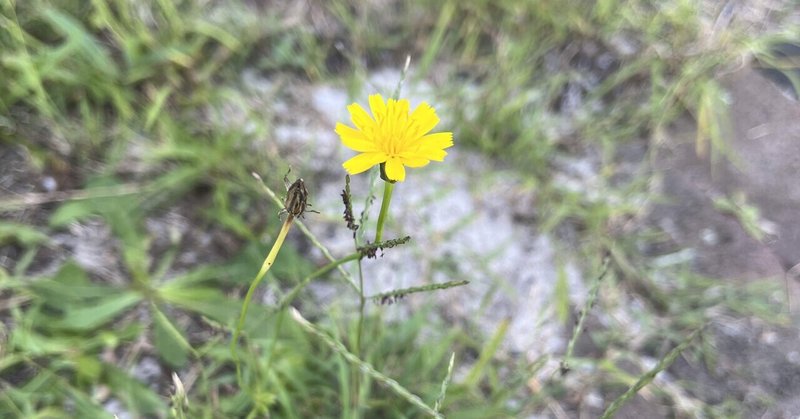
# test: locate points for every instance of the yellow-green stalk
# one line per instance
(268, 261)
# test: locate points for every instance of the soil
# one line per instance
(757, 363)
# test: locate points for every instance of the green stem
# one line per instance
(268, 261)
(387, 199)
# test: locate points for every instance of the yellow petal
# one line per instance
(404, 106)
(361, 118)
(424, 118)
(414, 161)
(378, 107)
(354, 139)
(362, 162)
(438, 140)
(434, 154)
(397, 111)
(395, 169)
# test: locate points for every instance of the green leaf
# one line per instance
(125, 222)
(154, 111)
(141, 400)
(20, 233)
(217, 307)
(79, 38)
(100, 200)
(487, 353)
(208, 273)
(33, 344)
(72, 275)
(90, 317)
(10, 359)
(122, 213)
(69, 286)
(85, 407)
(172, 346)
(41, 391)
(213, 304)
(88, 369)
(70, 212)
(217, 33)
(77, 210)
(206, 301)
(290, 264)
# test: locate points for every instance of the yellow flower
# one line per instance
(393, 137)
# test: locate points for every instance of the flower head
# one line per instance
(392, 136)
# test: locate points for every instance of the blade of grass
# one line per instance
(439, 400)
(399, 293)
(584, 312)
(365, 367)
(648, 377)
(487, 353)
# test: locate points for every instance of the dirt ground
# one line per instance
(757, 363)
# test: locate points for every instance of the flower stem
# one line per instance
(387, 199)
(268, 261)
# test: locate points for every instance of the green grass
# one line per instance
(139, 110)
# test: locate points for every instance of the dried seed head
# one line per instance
(348, 207)
(296, 198)
(370, 250)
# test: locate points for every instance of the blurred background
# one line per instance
(629, 166)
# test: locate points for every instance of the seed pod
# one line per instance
(296, 199)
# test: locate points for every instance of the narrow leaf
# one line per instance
(172, 346)
(20, 233)
(92, 316)
(487, 353)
